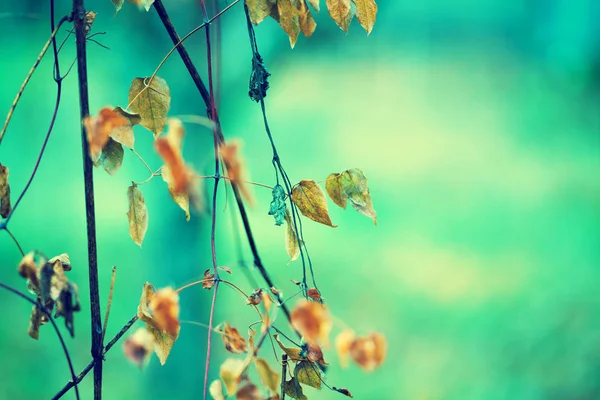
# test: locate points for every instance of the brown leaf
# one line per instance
(179, 175)
(307, 22)
(236, 169)
(5, 206)
(137, 214)
(351, 185)
(310, 200)
(234, 342)
(226, 269)
(275, 291)
(182, 199)
(165, 310)
(315, 354)
(366, 13)
(151, 102)
(314, 294)
(260, 9)
(343, 391)
(369, 352)
(138, 347)
(231, 374)
(248, 392)
(209, 280)
(292, 352)
(289, 19)
(255, 297)
(100, 128)
(118, 4)
(163, 340)
(341, 12)
(268, 376)
(343, 342)
(28, 270)
(308, 374)
(35, 321)
(312, 320)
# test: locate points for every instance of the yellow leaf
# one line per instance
(137, 214)
(138, 347)
(366, 13)
(234, 342)
(5, 206)
(216, 390)
(124, 134)
(182, 199)
(289, 20)
(151, 102)
(341, 12)
(292, 352)
(231, 374)
(307, 22)
(260, 9)
(343, 341)
(351, 185)
(291, 240)
(315, 4)
(307, 373)
(310, 200)
(312, 320)
(268, 377)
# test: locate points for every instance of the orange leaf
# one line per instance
(369, 352)
(165, 310)
(234, 342)
(169, 148)
(99, 129)
(236, 169)
(312, 320)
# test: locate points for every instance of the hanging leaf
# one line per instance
(351, 185)
(268, 376)
(151, 102)
(293, 389)
(124, 134)
(289, 20)
(293, 353)
(164, 307)
(308, 374)
(216, 390)
(163, 340)
(179, 175)
(5, 206)
(248, 392)
(307, 22)
(260, 9)
(111, 157)
(138, 347)
(369, 352)
(277, 207)
(342, 12)
(231, 374)
(255, 297)
(312, 320)
(182, 199)
(236, 169)
(137, 214)
(209, 280)
(343, 391)
(314, 294)
(100, 128)
(291, 239)
(234, 342)
(310, 200)
(315, 354)
(343, 342)
(366, 13)
(315, 4)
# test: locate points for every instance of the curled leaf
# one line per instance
(268, 376)
(314, 294)
(307, 22)
(315, 354)
(291, 238)
(182, 199)
(137, 214)
(255, 297)
(351, 185)
(179, 175)
(138, 347)
(209, 280)
(5, 206)
(231, 374)
(260, 9)
(151, 100)
(277, 207)
(312, 320)
(308, 374)
(310, 200)
(369, 352)
(343, 391)
(100, 128)
(234, 342)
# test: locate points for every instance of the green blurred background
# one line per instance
(477, 124)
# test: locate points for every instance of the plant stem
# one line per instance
(208, 346)
(79, 22)
(284, 359)
(16, 241)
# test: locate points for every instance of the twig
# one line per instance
(110, 296)
(60, 338)
(284, 359)
(16, 241)
(96, 322)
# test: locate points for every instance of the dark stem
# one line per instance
(79, 22)
(60, 338)
(284, 359)
(16, 241)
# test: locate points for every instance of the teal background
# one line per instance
(477, 124)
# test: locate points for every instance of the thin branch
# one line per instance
(231, 179)
(16, 242)
(47, 313)
(110, 296)
(284, 359)
(96, 322)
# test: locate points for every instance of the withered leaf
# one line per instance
(308, 374)
(293, 353)
(351, 185)
(182, 199)
(248, 392)
(343, 391)
(255, 297)
(100, 128)
(366, 13)
(314, 294)
(310, 200)
(111, 157)
(234, 342)
(293, 389)
(226, 269)
(179, 175)
(260, 9)
(277, 207)
(216, 390)
(66, 304)
(307, 22)
(341, 12)
(268, 376)
(289, 20)
(312, 320)
(164, 307)
(315, 354)
(231, 374)
(138, 347)
(151, 102)
(118, 4)
(124, 133)
(291, 239)
(35, 321)
(163, 340)
(315, 4)
(236, 168)
(369, 352)
(137, 214)
(343, 341)
(209, 280)
(5, 206)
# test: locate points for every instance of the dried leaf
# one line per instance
(226, 269)
(90, 17)
(310, 200)
(66, 304)
(277, 207)
(341, 12)
(314, 294)
(236, 169)
(268, 376)
(138, 347)
(343, 342)
(293, 389)
(351, 185)
(137, 214)
(297, 283)
(165, 310)
(234, 342)
(315, 354)
(266, 319)
(248, 392)
(100, 128)
(124, 134)
(275, 291)
(182, 199)
(209, 280)
(151, 102)
(307, 22)
(312, 320)
(260, 9)
(366, 13)
(369, 352)
(291, 239)
(343, 391)
(289, 19)
(293, 353)
(315, 4)
(5, 206)
(179, 175)
(255, 297)
(118, 4)
(111, 157)
(308, 374)
(28, 270)
(216, 390)
(163, 340)
(35, 321)
(231, 374)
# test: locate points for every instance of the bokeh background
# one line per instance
(477, 124)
